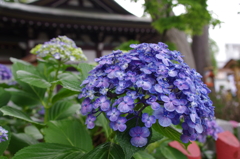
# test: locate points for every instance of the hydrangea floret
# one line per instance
(122, 85)
(60, 48)
(5, 72)
(213, 130)
(3, 134)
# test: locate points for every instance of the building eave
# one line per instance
(31, 9)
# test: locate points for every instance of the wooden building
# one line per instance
(97, 26)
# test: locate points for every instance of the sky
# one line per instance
(225, 11)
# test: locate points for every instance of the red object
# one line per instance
(192, 152)
(227, 146)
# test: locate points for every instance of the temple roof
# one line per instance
(93, 24)
(109, 6)
(44, 12)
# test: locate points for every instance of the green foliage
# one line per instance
(24, 97)
(171, 46)
(192, 21)
(33, 132)
(213, 49)
(22, 140)
(49, 151)
(125, 46)
(169, 133)
(84, 68)
(32, 79)
(13, 112)
(70, 81)
(171, 153)
(28, 94)
(58, 131)
(68, 132)
(62, 109)
(63, 94)
(143, 155)
(104, 123)
(161, 149)
(105, 151)
(5, 97)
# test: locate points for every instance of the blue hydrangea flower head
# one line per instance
(3, 134)
(90, 121)
(139, 136)
(60, 48)
(5, 72)
(122, 85)
(213, 130)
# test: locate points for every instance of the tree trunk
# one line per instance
(179, 38)
(173, 35)
(200, 51)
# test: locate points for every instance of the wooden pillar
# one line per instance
(237, 80)
(99, 44)
(99, 49)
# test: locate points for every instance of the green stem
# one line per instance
(46, 114)
(50, 94)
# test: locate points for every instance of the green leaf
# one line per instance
(32, 79)
(5, 97)
(63, 93)
(85, 68)
(169, 132)
(124, 138)
(21, 65)
(62, 109)
(172, 153)
(49, 151)
(4, 144)
(46, 70)
(142, 155)
(20, 141)
(105, 124)
(36, 92)
(32, 131)
(22, 98)
(3, 157)
(68, 132)
(105, 151)
(7, 110)
(155, 136)
(70, 81)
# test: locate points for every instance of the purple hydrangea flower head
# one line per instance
(152, 101)
(181, 106)
(119, 124)
(146, 85)
(139, 136)
(212, 130)
(3, 134)
(181, 84)
(170, 102)
(86, 106)
(113, 114)
(164, 117)
(126, 105)
(5, 73)
(90, 121)
(148, 120)
(122, 85)
(102, 102)
(60, 48)
(132, 94)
